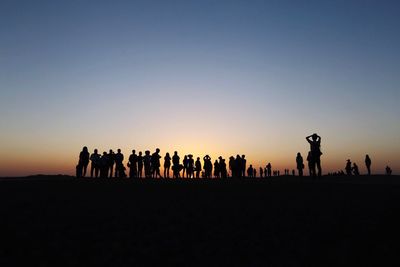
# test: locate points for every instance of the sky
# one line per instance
(200, 77)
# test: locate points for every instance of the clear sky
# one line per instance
(201, 77)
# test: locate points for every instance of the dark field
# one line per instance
(279, 222)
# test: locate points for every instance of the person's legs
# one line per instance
(318, 163)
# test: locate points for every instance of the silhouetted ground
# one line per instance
(285, 221)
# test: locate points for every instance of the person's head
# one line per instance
(314, 137)
(185, 157)
(157, 150)
(298, 154)
(85, 149)
(119, 150)
(190, 156)
(147, 152)
(140, 153)
(104, 153)
(175, 152)
(251, 166)
(243, 156)
(111, 151)
(167, 154)
(198, 158)
(133, 151)
(95, 151)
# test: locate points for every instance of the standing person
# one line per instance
(95, 165)
(119, 166)
(355, 170)
(167, 165)
(207, 166)
(147, 164)
(368, 164)
(104, 165)
(197, 166)
(83, 162)
(261, 172)
(176, 165)
(250, 171)
(190, 166)
(348, 168)
(238, 166)
(216, 169)
(315, 146)
(269, 170)
(140, 164)
(222, 166)
(311, 165)
(111, 161)
(300, 164)
(132, 164)
(155, 164)
(232, 166)
(185, 166)
(243, 165)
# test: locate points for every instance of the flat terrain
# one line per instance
(285, 221)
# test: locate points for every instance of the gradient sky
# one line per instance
(200, 77)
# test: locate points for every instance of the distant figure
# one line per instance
(315, 146)
(207, 166)
(222, 166)
(232, 166)
(243, 163)
(250, 171)
(254, 172)
(293, 173)
(348, 168)
(167, 165)
(132, 164)
(311, 165)
(217, 170)
(300, 164)
(155, 164)
(261, 172)
(197, 167)
(269, 170)
(147, 164)
(185, 166)
(81, 168)
(238, 166)
(119, 167)
(176, 165)
(190, 166)
(111, 162)
(388, 170)
(104, 165)
(140, 164)
(355, 170)
(95, 165)
(368, 164)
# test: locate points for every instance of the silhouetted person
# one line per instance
(185, 166)
(83, 162)
(155, 164)
(315, 147)
(104, 165)
(250, 171)
(355, 169)
(238, 166)
(207, 166)
(368, 164)
(95, 165)
(217, 169)
(147, 164)
(167, 165)
(294, 173)
(348, 168)
(388, 170)
(197, 166)
(119, 167)
(311, 164)
(132, 164)
(232, 166)
(300, 164)
(222, 166)
(111, 162)
(243, 165)
(254, 172)
(269, 170)
(176, 165)
(261, 172)
(190, 166)
(140, 164)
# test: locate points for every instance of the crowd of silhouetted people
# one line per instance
(107, 165)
